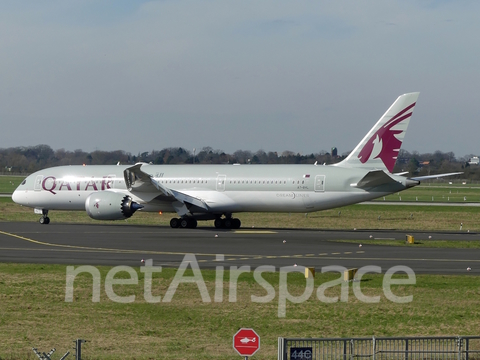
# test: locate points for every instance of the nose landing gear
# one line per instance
(44, 220)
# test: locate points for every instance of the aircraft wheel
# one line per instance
(236, 223)
(218, 223)
(41, 220)
(47, 220)
(174, 223)
(184, 223)
(228, 223)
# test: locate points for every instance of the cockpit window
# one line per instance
(24, 182)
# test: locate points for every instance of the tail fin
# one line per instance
(379, 148)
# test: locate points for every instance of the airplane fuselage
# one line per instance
(224, 188)
(215, 192)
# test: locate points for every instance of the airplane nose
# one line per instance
(15, 196)
(18, 197)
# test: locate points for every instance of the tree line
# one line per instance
(26, 160)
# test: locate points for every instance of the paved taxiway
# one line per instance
(115, 244)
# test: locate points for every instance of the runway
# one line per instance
(123, 244)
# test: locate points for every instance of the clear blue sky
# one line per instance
(274, 75)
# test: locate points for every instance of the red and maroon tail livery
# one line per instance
(379, 148)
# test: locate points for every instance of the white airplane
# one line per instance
(216, 192)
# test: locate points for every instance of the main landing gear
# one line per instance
(186, 223)
(191, 223)
(44, 219)
(227, 223)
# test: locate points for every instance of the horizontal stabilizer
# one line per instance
(426, 177)
(373, 179)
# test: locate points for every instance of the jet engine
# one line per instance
(109, 205)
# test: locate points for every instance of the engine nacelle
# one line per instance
(109, 205)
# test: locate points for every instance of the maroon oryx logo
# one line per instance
(385, 142)
(97, 205)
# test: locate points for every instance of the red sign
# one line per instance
(246, 342)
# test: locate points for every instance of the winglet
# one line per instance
(379, 148)
(139, 181)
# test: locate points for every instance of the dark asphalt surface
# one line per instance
(115, 244)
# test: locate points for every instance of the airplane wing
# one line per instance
(137, 180)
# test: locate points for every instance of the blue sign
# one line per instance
(301, 353)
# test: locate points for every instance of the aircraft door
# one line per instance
(319, 183)
(221, 180)
(38, 183)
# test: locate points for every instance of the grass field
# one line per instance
(9, 183)
(399, 217)
(33, 313)
(438, 192)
